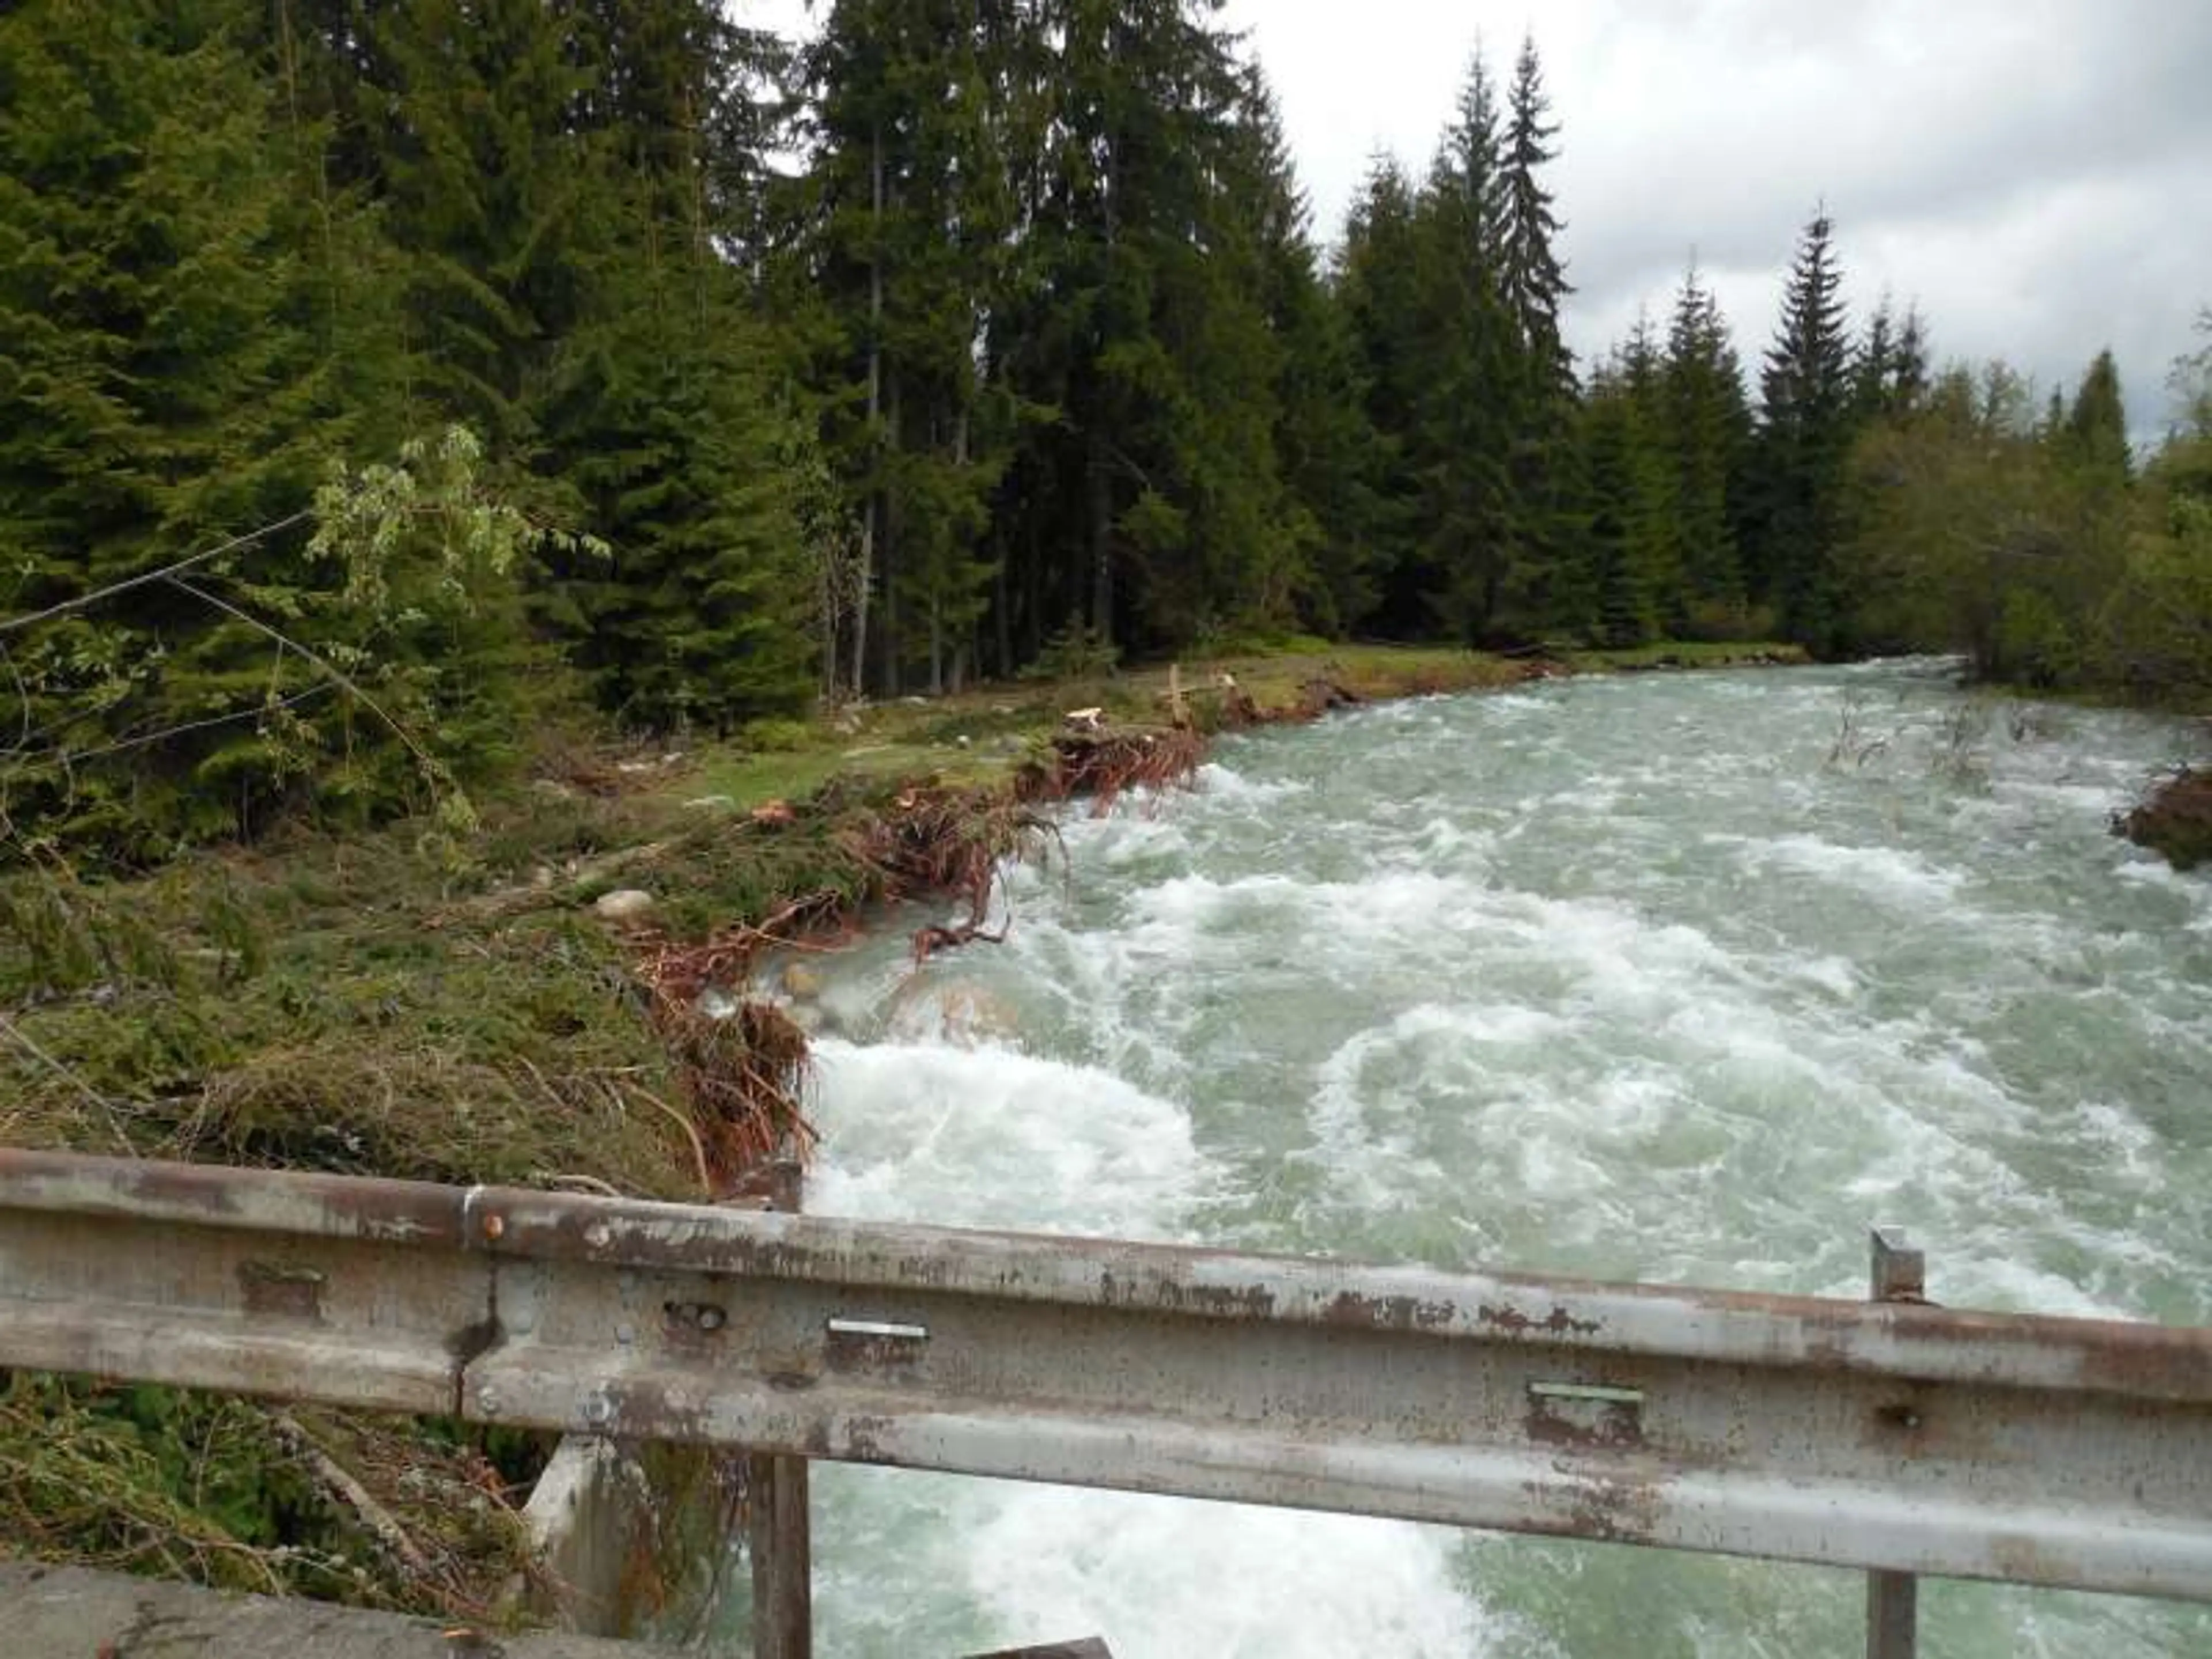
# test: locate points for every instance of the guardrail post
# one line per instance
(779, 1535)
(1899, 1273)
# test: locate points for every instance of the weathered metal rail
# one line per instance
(1895, 1436)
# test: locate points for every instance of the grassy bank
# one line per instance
(415, 1005)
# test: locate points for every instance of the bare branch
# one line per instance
(319, 661)
(14, 624)
(23, 1040)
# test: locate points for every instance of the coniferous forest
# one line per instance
(380, 377)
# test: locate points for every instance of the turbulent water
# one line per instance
(1682, 979)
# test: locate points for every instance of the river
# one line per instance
(1687, 979)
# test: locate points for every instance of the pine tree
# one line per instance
(1324, 447)
(1805, 433)
(695, 614)
(1532, 285)
(160, 393)
(1139, 320)
(1889, 371)
(1628, 578)
(497, 196)
(1531, 282)
(1377, 290)
(1461, 442)
(2096, 432)
(1707, 429)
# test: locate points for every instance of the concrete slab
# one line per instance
(64, 1613)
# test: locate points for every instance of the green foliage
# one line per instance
(1705, 426)
(230, 1493)
(1796, 488)
(1986, 527)
(1032, 361)
(696, 613)
(1075, 653)
(1631, 585)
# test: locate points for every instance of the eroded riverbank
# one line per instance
(1685, 980)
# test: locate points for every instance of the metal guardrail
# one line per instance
(1896, 1436)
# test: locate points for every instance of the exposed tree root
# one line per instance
(1104, 764)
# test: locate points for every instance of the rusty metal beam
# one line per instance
(1899, 1274)
(778, 1533)
(1895, 1436)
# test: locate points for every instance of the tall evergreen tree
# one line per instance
(1889, 370)
(1629, 580)
(1462, 442)
(1148, 335)
(2096, 434)
(916, 208)
(1377, 289)
(1707, 431)
(1533, 285)
(1532, 281)
(160, 393)
(661, 409)
(1325, 448)
(1806, 426)
(496, 195)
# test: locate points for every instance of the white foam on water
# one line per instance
(1224, 787)
(1888, 874)
(985, 1137)
(1616, 979)
(982, 1137)
(1167, 1579)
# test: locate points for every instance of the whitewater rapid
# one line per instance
(1684, 979)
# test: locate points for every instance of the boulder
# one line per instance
(624, 905)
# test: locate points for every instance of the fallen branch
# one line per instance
(342, 1485)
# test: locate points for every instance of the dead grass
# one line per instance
(375, 1511)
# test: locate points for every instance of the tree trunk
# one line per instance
(1099, 489)
(875, 404)
(1002, 608)
(888, 552)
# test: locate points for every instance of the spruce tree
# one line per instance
(1889, 370)
(1324, 447)
(1706, 431)
(2096, 432)
(1532, 285)
(1806, 426)
(1140, 320)
(1377, 292)
(1461, 442)
(663, 410)
(497, 196)
(1532, 281)
(160, 393)
(1627, 579)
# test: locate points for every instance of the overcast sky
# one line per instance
(2036, 173)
